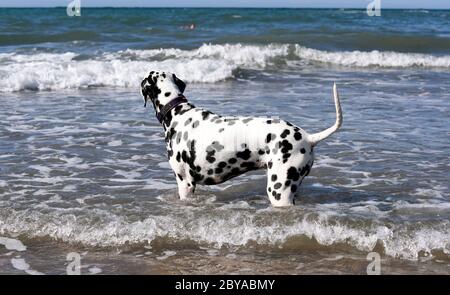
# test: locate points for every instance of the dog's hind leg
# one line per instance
(280, 189)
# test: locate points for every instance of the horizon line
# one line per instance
(233, 7)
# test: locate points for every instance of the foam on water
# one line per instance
(21, 264)
(209, 63)
(230, 228)
(12, 244)
(373, 58)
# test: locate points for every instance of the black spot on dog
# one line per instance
(205, 114)
(210, 156)
(269, 137)
(232, 160)
(286, 157)
(209, 181)
(221, 129)
(277, 185)
(302, 150)
(180, 177)
(269, 121)
(293, 188)
(285, 133)
(297, 135)
(184, 156)
(222, 164)
(178, 137)
(287, 183)
(285, 145)
(218, 170)
(261, 152)
(245, 155)
(293, 174)
(188, 121)
(270, 164)
(274, 177)
(195, 124)
(246, 120)
(210, 171)
(167, 94)
(178, 157)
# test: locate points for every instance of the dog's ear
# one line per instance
(180, 84)
(145, 91)
(149, 90)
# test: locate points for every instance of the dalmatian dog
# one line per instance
(205, 148)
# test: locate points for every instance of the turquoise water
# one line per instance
(109, 29)
(83, 165)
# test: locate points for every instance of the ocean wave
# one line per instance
(207, 64)
(373, 58)
(230, 228)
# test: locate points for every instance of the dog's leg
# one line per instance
(185, 189)
(282, 184)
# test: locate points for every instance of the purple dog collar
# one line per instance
(169, 106)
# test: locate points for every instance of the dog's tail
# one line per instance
(317, 137)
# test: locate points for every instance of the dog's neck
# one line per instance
(175, 105)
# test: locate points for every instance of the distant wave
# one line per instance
(208, 64)
(373, 58)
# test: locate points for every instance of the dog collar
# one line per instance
(169, 106)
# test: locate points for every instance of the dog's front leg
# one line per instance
(185, 189)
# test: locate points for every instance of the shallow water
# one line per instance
(83, 165)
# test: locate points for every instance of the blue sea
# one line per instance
(83, 166)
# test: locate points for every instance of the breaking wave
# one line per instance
(231, 228)
(207, 64)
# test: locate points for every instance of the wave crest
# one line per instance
(229, 228)
(207, 64)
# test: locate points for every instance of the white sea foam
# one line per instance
(95, 270)
(233, 228)
(12, 244)
(373, 58)
(209, 63)
(21, 264)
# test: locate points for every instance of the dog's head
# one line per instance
(161, 88)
